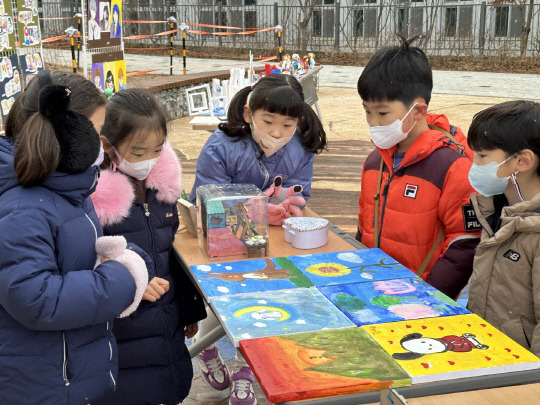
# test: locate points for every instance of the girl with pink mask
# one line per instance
(270, 139)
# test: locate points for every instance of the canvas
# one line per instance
(297, 271)
(355, 266)
(249, 276)
(461, 346)
(391, 301)
(321, 364)
(248, 316)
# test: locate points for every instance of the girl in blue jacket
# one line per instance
(136, 197)
(270, 132)
(56, 309)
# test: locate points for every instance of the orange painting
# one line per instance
(321, 364)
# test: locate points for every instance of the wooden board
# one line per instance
(321, 364)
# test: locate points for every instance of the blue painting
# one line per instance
(320, 269)
(391, 301)
(275, 313)
(355, 266)
(244, 276)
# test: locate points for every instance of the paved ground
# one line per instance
(337, 171)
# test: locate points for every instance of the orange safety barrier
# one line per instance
(53, 39)
(151, 35)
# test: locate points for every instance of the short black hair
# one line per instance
(511, 126)
(399, 73)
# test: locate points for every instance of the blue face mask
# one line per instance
(484, 178)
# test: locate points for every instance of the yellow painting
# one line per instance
(435, 349)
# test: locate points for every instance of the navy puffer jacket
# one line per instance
(154, 363)
(56, 344)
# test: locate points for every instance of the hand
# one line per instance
(191, 329)
(275, 189)
(277, 214)
(156, 288)
(104, 259)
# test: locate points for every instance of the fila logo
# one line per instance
(168, 215)
(510, 254)
(410, 191)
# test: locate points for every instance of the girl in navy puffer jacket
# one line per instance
(56, 344)
(137, 198)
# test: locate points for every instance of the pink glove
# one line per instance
(275, 189)
(292, 202)
(277, 214)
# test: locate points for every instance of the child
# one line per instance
(136, 197)
(55, 307)
(504, 287)
(270, 133)
(414, 201)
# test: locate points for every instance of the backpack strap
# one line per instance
(426, 261)
(377, 198)
(449, 135)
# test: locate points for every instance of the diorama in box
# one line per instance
(232, 221)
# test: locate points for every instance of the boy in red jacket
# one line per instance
(414, 200)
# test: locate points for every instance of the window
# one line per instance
(416, 22)
(358, 23)
(465, 24)
(450, 21)
(250, 3)
(316, 23)
(501, 21)
(250, 19)
(401, 21)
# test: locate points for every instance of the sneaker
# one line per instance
(214, 371)
(242, 388)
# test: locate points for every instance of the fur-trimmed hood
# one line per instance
(115, 193)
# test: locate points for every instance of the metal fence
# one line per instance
(449, 28)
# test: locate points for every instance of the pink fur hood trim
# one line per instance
(114, 193)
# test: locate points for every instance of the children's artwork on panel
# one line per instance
(321, 364)
(28, 23)
(391, 301)
(248, 316)
(7, 26)
(10, 83)
(350, 267)
(97, 75)
(120, 67)
(249, 276)
(437, 349)
(109, 75)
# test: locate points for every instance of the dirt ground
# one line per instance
(343, 120)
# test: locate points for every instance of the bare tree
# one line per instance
(526, 10)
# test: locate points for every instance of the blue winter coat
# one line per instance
(226, 160)
(56, 344)
(155, 365)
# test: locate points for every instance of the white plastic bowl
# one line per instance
(306, 232)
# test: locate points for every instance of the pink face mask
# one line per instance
(268, 143)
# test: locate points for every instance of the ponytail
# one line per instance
(38, 151)
(312, 131)
(236, 127)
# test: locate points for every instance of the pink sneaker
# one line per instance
(213, 369)
(242, 387)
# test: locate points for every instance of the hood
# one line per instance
(523, 217)
(73, 187)
(429, 141)
(115, 194)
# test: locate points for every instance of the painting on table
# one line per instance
(274, 313)
(321, 364)
(355, 266)
(450, 347)
(245, 276)
(391, 301)
(270, 274)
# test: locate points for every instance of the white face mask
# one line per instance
(484, 178)
(268, 143)
(137, 170)
(386, 136)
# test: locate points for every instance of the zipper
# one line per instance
(96, 177)
(64, 365)
(110, 356)
(93, 226)
(146, 211)
(266, 174)
(151, 235)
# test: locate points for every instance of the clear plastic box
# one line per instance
(232, 221)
